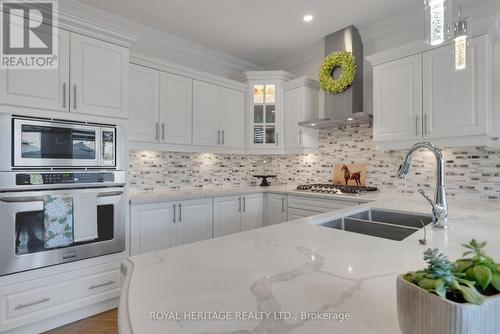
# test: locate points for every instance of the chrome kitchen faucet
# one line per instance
(439, 206)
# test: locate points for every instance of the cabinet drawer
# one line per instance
(56, 295)
(318, 204)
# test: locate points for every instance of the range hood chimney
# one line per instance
(346, 107)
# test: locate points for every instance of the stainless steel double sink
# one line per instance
(387, 224)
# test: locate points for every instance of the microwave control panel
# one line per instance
(26, 179)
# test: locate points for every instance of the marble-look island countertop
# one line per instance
(293, 267)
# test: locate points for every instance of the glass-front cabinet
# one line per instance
(264, 114)
(265, 119)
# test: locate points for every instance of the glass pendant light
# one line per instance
(462, 36)
(437, 21)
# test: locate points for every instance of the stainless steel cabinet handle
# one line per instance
(21, 306)
(277, 139)
(222, 134)
(218, 137)
(425, 125)
(244, 204)
(92, 287)
(175, 213)
(162, 131)
(157, 125)
(64, 95)
(283, 204)
(74, 96)
(416, 125)
(180, 212)
(239, 204)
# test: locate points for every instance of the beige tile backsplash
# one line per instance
(470, 172)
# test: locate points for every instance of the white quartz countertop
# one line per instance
(158, 196)
(293, 267)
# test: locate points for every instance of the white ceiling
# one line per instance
(261, 32)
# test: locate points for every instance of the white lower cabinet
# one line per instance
(252, 212)
(26, 303)
(276, 209)
(164, 225)
(194, 222)
(234, 214)
(301, 207)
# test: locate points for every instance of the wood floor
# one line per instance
(104, 323)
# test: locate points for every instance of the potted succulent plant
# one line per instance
(451, 297)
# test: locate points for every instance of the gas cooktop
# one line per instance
(330, 188)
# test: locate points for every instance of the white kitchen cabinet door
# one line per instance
(99, 77)
(151, 227)
(144, 104)
(294, 214)
(276, 209)
(40, 89)
(252, 212)
(294, 104)
(206, 110)
(457, 103)
(193, 221)
(176, 109)
(397, 98)
(232, 118)
(226, 215)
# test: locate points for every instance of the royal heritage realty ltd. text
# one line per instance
(249, 316)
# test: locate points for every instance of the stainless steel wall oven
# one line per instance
(59, 159)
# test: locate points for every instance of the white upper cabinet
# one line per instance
(176, 94)
(232, 118)
(144, 104)
(218, 116)
(397, 100)
(301, 104)
(423, 97)
(92, 78)
(99, 77)
(457, 103)
(42, 89)
(206, 104)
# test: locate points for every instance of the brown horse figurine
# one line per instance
(348, 176)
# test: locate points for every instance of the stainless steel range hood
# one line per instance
(346, 107)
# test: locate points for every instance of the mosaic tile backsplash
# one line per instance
(470, 172)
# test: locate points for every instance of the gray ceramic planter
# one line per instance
(421, 312)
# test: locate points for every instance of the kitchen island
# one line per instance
(282, 278)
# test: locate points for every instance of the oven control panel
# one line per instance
(26, 179)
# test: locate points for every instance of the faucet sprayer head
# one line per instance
(404, 170)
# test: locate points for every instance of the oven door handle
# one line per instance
(40, 198)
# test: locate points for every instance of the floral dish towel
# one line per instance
(58, 221)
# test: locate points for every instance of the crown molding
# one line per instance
(301, 82)
(95, 16)
(185, 71)
(264, 75)
(488, 26)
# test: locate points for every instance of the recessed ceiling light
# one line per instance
(350, 119)
(308, 18)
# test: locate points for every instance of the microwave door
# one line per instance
(46, 144)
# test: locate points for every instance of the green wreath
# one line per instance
(343, 59)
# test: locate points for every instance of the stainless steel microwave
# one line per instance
(44, 143)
